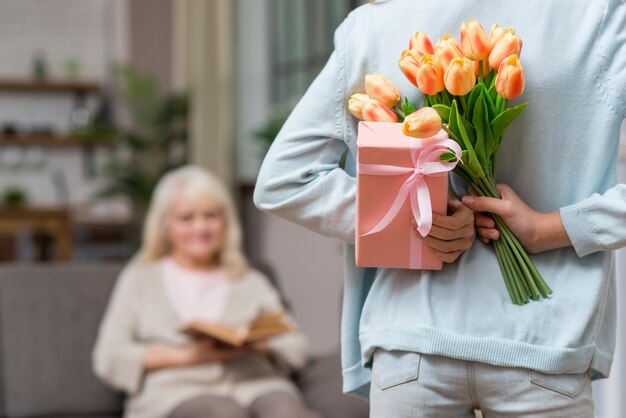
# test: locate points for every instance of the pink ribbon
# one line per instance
(425, 163)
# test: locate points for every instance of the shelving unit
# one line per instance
(78, 88)
(49, 86)
(53, 141)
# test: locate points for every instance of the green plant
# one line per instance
(153, 141)
(269, 131)
(14, 196)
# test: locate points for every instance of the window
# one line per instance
(301, 42)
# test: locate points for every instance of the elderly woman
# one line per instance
(190, 266)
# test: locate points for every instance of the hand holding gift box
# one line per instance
(399, 178)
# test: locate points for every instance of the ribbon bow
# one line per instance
(425, 163)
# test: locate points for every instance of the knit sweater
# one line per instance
(140, 314)
(561, 154)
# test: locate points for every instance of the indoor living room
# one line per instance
(99, 101)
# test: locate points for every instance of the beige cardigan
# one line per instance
(139, 314)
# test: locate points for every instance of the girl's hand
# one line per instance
(536, 231)
(452, 234)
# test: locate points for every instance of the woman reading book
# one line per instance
(190, 270)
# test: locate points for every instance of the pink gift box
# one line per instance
(398, 244)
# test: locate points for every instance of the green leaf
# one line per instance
(447, 157)
(491, 104)
(480, 112)
(493, 94)
(408, 107)
(473, 162)
(491, 79)
(453, 123)
(504, 119)
(426, 101)
(472, 99)
(446, 98)
(469, 128)
(444, 112)
(490, 143)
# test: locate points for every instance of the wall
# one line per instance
(98, 34)
(90, 33)
(150, 38)
(252, 73)
(609, 393)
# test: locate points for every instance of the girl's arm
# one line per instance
(301, 179)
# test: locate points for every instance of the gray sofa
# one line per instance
(49, 316)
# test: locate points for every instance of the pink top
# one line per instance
(194, 294)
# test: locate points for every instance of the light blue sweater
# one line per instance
(561, 154)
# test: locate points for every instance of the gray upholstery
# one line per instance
(321, 383)
(49, 318)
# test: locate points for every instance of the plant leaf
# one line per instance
(472, 99)
(453, 123)
(480, 111)
(444, 112)
(446, 98)
(504, 119)
(408, 107)
(447, 157)
(491, 105)
(473, 162)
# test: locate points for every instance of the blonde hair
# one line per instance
(197, 182)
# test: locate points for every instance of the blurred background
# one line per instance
(98, 98)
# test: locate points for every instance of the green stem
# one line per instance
(399, 112)
(506, 273)
(518, 251)
(517, 278)
(463, 105)
(520, 277)
(504, 105)
(490, 188)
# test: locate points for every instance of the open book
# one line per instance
(266, 325)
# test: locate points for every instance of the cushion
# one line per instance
(49, 318)
(321, 383)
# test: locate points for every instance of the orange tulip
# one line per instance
(460, 78)
(420, 42)
(381, 89)
(496, 33)
(430, 75)
(424, 123)
(507, 45)
(375, 111)
(474, 41)
(477, 67)
(510, 81)
(409, 63)
(447, 49)
(356, 103)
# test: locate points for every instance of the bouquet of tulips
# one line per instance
(467, 88)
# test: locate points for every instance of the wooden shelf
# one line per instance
(51, 141)
(49, 86)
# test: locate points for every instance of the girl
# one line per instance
(442, 343)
